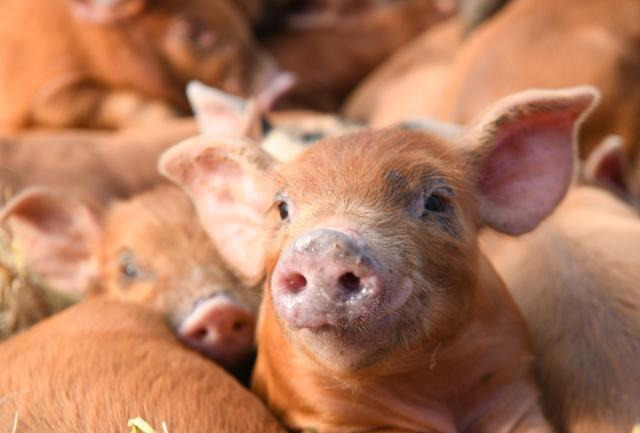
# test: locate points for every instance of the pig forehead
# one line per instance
(369, 161)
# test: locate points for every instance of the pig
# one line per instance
(102, 362)
(582, 43)
(592, 42)
(109, 64)
(380, 312)
(575, 280)
(148, 250)
(332, 45)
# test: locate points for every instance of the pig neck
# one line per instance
(488, 360)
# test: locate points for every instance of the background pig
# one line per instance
(528, 44)
(101, 363)
(575, 279)
(331, 45)
(380, 312)
(94, 165)
(92, 63)
(149, 250)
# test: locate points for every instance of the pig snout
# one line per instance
(221, 329)
(327, 278)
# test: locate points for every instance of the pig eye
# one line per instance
(283, 210)
(437, 201)
(128, 268)
(312, 136)
(434, 203)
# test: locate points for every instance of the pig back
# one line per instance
(100, 363)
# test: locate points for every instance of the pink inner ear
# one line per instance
(528, 171)
(59, 240)
(610, 171)
(231, 210)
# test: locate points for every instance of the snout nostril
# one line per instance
(350, 282)
(295, 282)
(199, 334)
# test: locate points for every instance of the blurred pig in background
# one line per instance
(331, 45)
(149, 250)
(108, 64)
(526, 44)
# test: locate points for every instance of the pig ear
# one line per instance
(219, 113)
(524, 151)
(106, 11)
(607, 164)
(57, 237)
(227, 179)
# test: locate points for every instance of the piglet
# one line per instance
(109, 64)
(380, 312)
(102, 362)
(148, 250)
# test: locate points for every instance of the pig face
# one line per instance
(149, 250)
(195, 39)
(368, 239)
(161, 257)
(360, 262)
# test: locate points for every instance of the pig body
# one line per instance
(98, 166)
(408, 84)
(380, 312)
(101, 363)
(575, 279)
(582, 43)
(110, 64)
(335, 44)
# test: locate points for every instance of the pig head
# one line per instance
(93, 63)
(380, 313)
(149, 250)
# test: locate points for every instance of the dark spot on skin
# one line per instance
(398, 188)
(486, 378)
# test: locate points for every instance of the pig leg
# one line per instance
(90, 105)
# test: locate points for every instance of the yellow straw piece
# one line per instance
(138, 425)
(15, 423)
